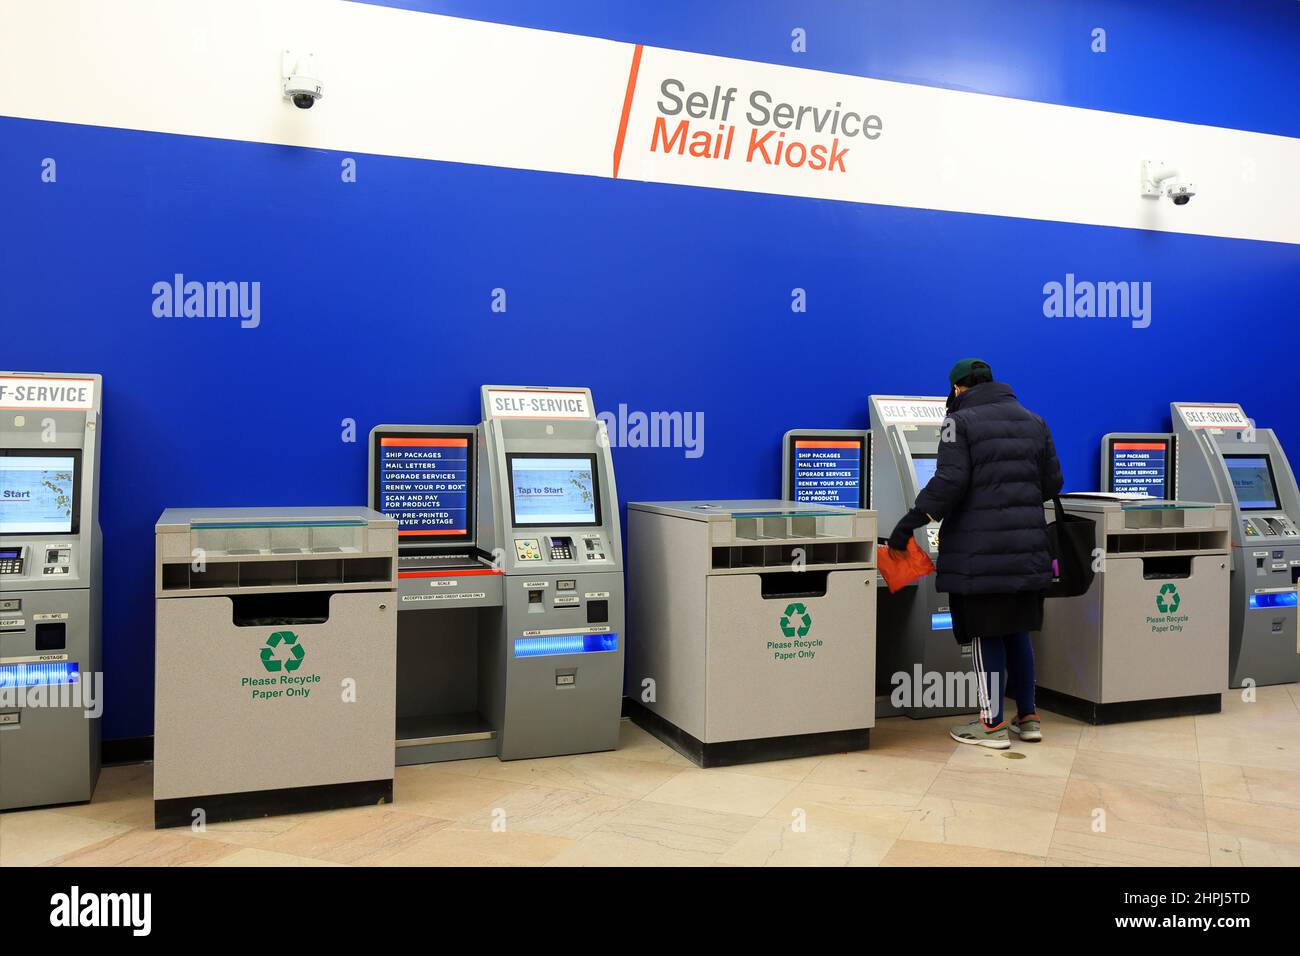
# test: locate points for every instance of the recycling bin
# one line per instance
(751, 628)
(1150, 637)
(276, 642)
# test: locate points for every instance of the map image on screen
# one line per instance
(553, 491)
(828, 471)
(1252, 479)
(1139, 467)
(424, 484)
(36, 494)
(924, 470)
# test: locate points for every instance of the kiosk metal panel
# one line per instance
(50, 588)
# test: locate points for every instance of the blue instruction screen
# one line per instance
(828, 471)
(553, 490)
(925, 468)
(1252, 479)
(424, 484)
(36, 494)
(1139, 467)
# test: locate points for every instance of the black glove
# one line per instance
(903, 530)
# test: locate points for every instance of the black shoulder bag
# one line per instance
(1070, 538)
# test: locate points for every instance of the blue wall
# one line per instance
(376, 295)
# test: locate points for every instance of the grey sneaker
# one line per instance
(982, 736)
(1027, 727)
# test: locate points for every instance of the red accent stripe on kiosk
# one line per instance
(447, 574)
(425, 442)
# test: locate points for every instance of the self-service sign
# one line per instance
(26, 391)
(538, 403)
(1213, 416)
(911, 411)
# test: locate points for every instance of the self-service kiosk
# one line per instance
(548, 507)
(449, 590)
(50, 588)
(915, 624)
(1223, 457)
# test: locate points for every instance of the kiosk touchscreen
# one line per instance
(917, 621)
(449, 591)
(827, 467)
(50, 588)
(1223, 457)
(1140, 464)
(549, 507)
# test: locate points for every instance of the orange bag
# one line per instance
(900, 572)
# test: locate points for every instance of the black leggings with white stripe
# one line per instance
(1004, 666)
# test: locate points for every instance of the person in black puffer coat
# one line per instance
(996, 467)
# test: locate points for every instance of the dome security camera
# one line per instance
(302, 82)
(1161, 180)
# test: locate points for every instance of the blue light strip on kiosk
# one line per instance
(1275, 599)
(35, 675)
(557, 644)
(941, 621)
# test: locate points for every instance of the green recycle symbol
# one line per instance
(1169, 604)
(296, 653)
(796, 621)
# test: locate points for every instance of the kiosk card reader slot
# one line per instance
(553, 657)
(1223, 457)
(920, 650)
(449, 591)
(50, 588)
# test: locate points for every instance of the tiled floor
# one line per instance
(1221, 790)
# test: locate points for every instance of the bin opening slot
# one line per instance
(1167, 568)
(791, 584)
(278, 610)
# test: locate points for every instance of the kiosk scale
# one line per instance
(50, 588)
